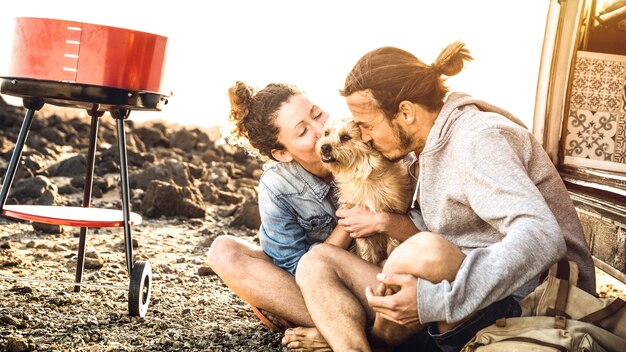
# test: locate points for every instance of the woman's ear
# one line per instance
(282, 155)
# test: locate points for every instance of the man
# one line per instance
(493, 211)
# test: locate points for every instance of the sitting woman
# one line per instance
(296, 201)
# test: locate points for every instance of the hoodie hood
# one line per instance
(453, 108)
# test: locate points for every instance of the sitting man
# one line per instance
(494, 209)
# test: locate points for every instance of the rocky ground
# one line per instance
(190, 309)
(189, 190)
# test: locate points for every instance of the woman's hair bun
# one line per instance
(240, 95)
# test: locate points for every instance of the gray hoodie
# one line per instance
(488, 187)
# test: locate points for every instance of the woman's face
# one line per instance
(300, 123)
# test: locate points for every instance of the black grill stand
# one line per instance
(140, 272)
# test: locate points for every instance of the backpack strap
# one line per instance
(563, 274)
(561, 270)
(605, 312)
(533, 341)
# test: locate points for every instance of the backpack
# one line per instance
(558, 316)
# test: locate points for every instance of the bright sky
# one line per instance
(312, 44)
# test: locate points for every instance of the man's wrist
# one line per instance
(383, 220)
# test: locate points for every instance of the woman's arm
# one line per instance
(339, 237)
(280, 235)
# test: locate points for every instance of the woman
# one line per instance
(296, 201)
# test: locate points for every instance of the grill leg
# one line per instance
(120, 115)
(91, 160)
(32, 104)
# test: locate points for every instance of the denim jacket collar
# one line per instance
(316, 184)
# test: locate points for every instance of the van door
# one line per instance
(580, 117)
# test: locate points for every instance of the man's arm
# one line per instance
(360, 222)
(500, 191)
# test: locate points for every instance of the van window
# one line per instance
(604, 27)
(595, 124)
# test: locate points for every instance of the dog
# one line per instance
(365, 178)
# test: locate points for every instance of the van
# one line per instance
(580, 118)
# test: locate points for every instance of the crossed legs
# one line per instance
(270, 288)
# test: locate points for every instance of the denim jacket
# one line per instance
(297, 211)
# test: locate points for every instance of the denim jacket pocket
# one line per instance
(317, 228)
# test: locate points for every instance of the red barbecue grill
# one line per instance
(98, 68)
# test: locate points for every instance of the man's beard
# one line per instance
(404, 140)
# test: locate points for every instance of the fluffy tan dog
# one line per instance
(364, 177)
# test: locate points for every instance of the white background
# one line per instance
(312, 44)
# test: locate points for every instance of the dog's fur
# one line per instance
(365, 178)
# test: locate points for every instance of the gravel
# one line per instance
(190, 309)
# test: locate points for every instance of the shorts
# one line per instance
(453, 340)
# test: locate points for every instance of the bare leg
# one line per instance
(333, 284)
(270, 288)
(438, 260)
(426, 255)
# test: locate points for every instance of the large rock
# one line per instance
(35, 163)
(73, 166)
(188, 140)
(133, 158)
(166, 199)
(171, 171)
(19, 344)
(41, 191)
(11, 116)
(248, 215)
(35, 188)
(152, 137)
(184, 139)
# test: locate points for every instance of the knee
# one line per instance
(427, 255)
(224, 253)
(433, 249)
(313, 263)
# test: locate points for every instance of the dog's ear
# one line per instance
(282, 155)
(351, 125)
(354, 129)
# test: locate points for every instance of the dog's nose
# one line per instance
(326, 148)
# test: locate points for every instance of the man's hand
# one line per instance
(395, 299)
(359, 221)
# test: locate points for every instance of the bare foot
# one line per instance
(305, 339)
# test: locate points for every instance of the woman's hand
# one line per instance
(360, 221)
